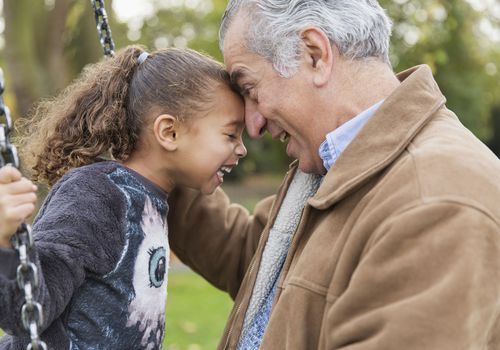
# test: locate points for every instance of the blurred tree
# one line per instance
(449, 36)
(47, 43)
(494, 143)
(22, 49)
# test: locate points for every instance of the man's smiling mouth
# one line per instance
(284, 136)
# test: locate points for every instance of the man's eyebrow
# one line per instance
(235, 77)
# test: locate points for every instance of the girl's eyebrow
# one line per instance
(234, 122)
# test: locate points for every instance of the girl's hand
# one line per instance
(17, 202)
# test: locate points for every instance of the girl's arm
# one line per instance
(75, 236)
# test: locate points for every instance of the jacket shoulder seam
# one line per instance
(453, 200)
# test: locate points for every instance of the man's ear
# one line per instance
(318, 54)
(166, 131)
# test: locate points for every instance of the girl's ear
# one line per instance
(166, 130)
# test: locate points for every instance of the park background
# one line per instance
(44, 44)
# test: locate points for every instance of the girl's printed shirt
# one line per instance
(102, 256)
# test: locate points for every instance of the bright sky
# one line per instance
(127, 9)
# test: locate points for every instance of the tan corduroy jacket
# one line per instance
(398, 250)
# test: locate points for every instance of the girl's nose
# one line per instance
(241, 150)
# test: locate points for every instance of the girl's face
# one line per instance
(211, 145)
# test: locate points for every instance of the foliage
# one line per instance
(449, 36)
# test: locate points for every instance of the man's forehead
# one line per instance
(234, 51)
(234, 42)
(240, 64)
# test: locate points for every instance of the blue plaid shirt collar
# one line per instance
(337, 140)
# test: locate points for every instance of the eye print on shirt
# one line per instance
(157, 266)
(147, 308)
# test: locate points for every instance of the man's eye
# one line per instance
(249, 92)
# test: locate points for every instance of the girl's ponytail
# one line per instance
(86, 121)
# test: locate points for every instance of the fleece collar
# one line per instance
(384, 137)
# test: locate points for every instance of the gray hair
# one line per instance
(358, 28)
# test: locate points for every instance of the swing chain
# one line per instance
(27, 272)
(8, 153)
(101, 19)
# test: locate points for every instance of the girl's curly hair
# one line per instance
(103, 112)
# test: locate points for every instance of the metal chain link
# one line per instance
(101, 19)
(27, 272)
(8, 153)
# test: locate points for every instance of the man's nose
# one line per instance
(254, 121)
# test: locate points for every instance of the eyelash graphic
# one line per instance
(147, 308)
(157, 266)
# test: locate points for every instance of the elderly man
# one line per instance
(386, 231)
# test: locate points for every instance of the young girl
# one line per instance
(168, 118)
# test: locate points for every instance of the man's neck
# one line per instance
(360, 84)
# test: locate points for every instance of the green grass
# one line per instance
(196, 313)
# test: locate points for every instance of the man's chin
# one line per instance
(309, 167)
